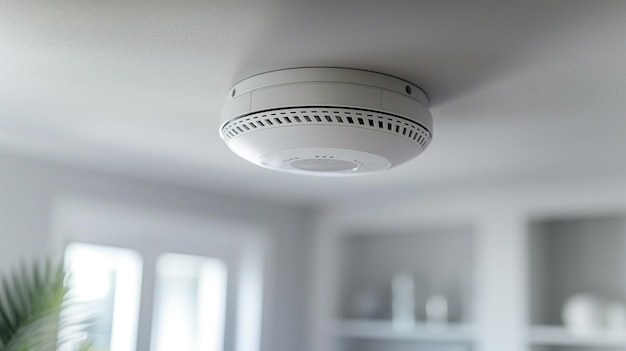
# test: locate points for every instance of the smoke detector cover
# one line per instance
(326, 121)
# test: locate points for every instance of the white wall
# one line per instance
(30, 188)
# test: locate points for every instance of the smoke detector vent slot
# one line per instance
(392, 125)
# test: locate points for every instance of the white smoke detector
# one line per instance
(326, 121)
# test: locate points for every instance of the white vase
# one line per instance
(403, 301)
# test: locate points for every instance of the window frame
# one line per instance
(153, 232)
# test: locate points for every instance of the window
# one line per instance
(189, 299)
(163, 281)
(190, 303)
(106, 284)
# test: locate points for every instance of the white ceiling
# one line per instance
(518, 89)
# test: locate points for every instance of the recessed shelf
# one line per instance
(559, 336)
(384, 330)
(369, 261)
(571, 257)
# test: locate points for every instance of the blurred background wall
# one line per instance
(30, 190)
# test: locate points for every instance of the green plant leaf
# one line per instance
(31, 299)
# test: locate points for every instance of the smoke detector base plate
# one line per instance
(326, 121)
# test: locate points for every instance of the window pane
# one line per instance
(105, 286)
(190, 303)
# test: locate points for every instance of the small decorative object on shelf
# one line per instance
(586, 314)
(367, 304)
(437, 311)
(583, 314)
(615, 317)
(403, 301)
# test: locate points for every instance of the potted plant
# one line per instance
(32, 299)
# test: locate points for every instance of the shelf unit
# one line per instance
(567, 257)
(524, 252)
(384, 330)
(365, 265)
(560, 337)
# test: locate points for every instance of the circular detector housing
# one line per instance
(326, 121)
